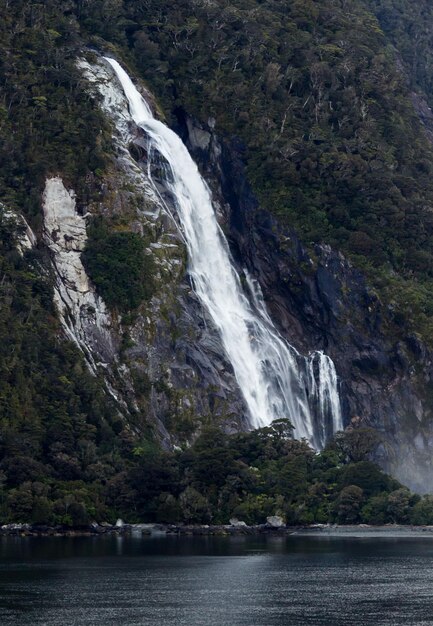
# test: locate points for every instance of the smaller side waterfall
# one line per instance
(275, 380)
(323, 385)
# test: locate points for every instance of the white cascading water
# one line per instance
(275, 380)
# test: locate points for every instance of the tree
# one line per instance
(168, 509)
(356, 444)
(348, 505)
(376, 510)
(368, 476)
(194, 506)
(422, 512)
(399, 502)
(119, 266)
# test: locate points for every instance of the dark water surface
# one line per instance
(210, 581)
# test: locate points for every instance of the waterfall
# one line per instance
(321, 381)
(275, 380)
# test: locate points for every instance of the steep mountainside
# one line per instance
(311, 123)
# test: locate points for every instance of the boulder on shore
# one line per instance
(275, 521)
(237, 523)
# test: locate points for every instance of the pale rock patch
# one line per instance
(83, 313)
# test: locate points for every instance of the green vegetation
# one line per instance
(409, 26)
(61, 438)
(48, 123)
(313, 89)
(266, 472)
(247, 475)
(58, 431)
(119, 266)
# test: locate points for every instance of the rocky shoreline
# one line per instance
(226, 530)
(33, 530)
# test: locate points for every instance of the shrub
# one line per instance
(119, 266)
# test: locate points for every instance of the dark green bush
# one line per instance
(119, 266)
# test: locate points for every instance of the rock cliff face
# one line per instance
(320, 301)
(174, 373)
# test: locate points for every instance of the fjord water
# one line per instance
(211, 581)
(275, 380)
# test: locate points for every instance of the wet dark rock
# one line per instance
(321, 302)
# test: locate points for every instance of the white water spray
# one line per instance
(275, 380)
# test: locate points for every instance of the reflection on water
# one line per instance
(216, 581)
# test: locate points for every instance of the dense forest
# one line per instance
(325, 98)
(249, 476)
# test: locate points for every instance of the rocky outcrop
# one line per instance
(25, 237)
(83, 314)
